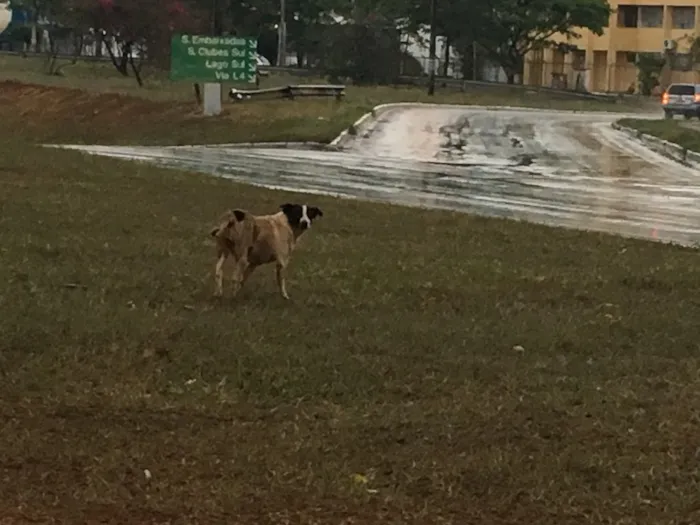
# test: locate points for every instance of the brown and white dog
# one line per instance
(256, 240)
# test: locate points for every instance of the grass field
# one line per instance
(685, 134)
(431, 367)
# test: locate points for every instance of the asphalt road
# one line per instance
(559, 168)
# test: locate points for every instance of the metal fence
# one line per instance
(602, 77)
(489, 76)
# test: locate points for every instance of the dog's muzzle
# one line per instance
(304, 225)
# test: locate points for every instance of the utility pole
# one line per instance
(433, 36)
(214, 17)
(282, 35)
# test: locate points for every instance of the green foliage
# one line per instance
(508, 29)
(649, 67)
(365, 53)
(505, 30)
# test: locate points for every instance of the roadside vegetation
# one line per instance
(684, 133)
(100, 106)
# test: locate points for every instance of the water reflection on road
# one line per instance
(567, 169)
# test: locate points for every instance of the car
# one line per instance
(261, 61)
(681, 99)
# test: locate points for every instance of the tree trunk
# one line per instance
(134, 68)
(446, 67)
(122, 64)
(467, 68)
(98, 43)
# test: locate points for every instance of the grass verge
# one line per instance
(676, 131)
(91, 103)
(431, 367)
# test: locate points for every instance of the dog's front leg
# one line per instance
(281, 280)
(219, 275)
(240, 275)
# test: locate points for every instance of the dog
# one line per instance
(253, 241)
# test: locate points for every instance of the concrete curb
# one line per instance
(367, 121)
(668, 149)
(233, 145)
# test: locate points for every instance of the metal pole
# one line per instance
(282, 35)
(433, 36)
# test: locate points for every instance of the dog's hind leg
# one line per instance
(219, 274)
(281, 280)
(247, 273)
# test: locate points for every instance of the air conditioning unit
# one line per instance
(669, 44)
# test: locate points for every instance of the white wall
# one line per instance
(5, 15)
(419, 48)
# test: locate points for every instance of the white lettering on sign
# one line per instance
(212, 52)
(218, 58)
(211, 64)
(219, 41)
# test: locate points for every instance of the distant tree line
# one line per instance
(356, 39)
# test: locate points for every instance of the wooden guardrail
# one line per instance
(290, 91)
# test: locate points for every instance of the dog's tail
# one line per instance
(228, 220)
(236, 233)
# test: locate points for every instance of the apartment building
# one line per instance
(608, 62)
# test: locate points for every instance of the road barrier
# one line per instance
(663, 147)
(291, 92)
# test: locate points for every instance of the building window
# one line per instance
(651, 16)
(627, 15)
(578, 60)
(683, 17)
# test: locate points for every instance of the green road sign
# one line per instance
(213, 58)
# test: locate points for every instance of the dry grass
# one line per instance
(431, 367)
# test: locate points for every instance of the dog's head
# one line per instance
(300, 215)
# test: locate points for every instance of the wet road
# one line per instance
(559, 168)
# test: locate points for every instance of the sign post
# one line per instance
(211, 103)
(213, 60)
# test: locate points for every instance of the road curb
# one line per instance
(367, 121)
(233, 145)
(663, 147)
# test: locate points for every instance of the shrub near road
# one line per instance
(431, 366)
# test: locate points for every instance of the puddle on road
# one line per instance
(584, 174)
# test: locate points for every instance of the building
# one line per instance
(5, 15)
(607, 63)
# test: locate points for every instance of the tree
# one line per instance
(137, 28)
(510, 29)
(507, 30)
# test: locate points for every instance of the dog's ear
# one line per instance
(286, 208)
(314, 212)
(240, 215)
